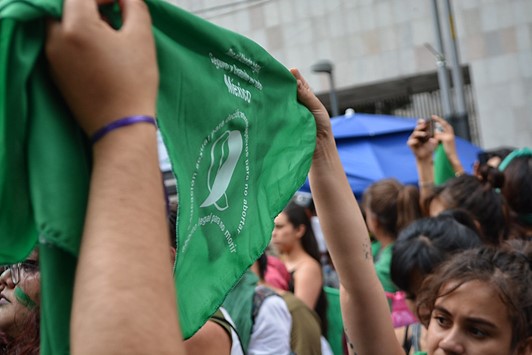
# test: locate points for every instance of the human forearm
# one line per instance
(445, 134)
(124, 298)
(125, 224)
(364, 306)
(423, 145)
(425, 172)
(368, 329)
(340, 218)
(456, 164)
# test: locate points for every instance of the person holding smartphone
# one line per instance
(423, 142)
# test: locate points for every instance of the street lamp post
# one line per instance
(325, 66)
(443, 74)
(461, 118)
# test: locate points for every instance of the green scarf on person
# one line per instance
(443, 170)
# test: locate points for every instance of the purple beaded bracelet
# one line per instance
(126, 121)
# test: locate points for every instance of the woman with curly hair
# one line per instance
(480, 302)
(19, 307)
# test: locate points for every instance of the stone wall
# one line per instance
(379, 40)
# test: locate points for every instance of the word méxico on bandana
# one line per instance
(237, 90)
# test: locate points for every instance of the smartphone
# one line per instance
(429, 128)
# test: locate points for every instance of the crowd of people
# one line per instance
(460, 253)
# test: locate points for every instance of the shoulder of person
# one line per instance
(261, 294)
(310, 268)
(309, 264)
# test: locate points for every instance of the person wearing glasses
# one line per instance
(19, 307)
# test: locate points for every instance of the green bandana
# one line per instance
(24, 299)
(239, 143)
(443, 170)
(523, 152)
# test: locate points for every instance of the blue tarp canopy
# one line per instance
(373, 147)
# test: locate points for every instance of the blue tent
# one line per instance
(373, 147)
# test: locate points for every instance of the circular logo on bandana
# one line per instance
(219, 187)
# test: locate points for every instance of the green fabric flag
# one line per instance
(239, 143)
(335, 333)
(443, 170)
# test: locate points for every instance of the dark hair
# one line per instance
(500, 152)
(492, 176)
(480, 198)
(172, 219)
(517, 188)
(425, 244)
(300, 216)
(507, 270)
(27, 342)
(463, 217)
(395, 205)
(262, 262)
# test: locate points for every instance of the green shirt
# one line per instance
(382, 257)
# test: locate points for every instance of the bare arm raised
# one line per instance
(423, 148)
(124, 297)
(364, 307)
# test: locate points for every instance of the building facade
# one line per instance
(381, 56)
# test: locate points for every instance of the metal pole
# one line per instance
(332, 95)
(443, 74)
(326, 66)
(461, 123)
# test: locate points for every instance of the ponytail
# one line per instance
(408, 208)
(480, 197)
(491, 177)
(394, 204)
